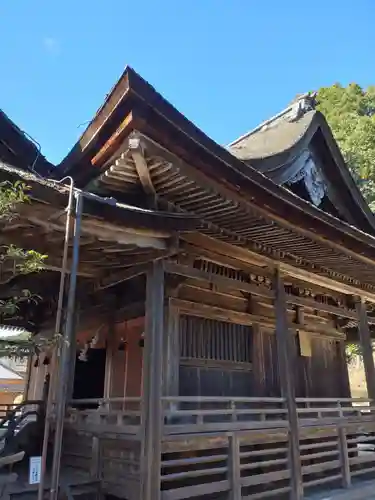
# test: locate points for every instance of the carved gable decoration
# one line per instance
(312, 177)
(296, 149)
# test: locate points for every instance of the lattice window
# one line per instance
(207, 339)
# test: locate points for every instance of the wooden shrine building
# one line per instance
(217, 288)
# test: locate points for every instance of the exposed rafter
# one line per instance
(141, 166)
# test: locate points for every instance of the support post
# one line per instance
(110, 351)
(234, 467)
(366, 345)
(95, 461)
(284, 349)
(344, 457)
(54, 367)
(172, 350)
(64, 365)
(73, 355)
(152, 384)
(259, 368)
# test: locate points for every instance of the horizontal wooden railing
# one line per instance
(215, 445)
(215, 414)
(118, 415)
(5, 409)
(324, 408)
(209, 414)
(205, 414)
(9, 410)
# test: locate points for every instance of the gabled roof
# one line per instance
(19, 150)
(133, 104)
(250, 209)
(235, 201)
(273, 147)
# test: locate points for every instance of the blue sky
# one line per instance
(227, 65)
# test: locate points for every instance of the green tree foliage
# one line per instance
(352, 352)
(350, 112)
(15, 261)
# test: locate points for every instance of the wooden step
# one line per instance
(70, 493)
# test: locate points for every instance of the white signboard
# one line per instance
(35, 470)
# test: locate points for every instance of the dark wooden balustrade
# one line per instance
(221, 446)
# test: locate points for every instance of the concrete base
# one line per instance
(361, 491)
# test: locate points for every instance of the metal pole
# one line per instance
(64, 368)
(54, 366)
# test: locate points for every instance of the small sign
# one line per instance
(35, 470)
(305, 348)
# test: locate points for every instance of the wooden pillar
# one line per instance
(73, 356)
(344, 457)
(110, 351)
(172, 352)
(284, 352)
(234, 467)
(152, 384)
(259, 368)
(366, 345)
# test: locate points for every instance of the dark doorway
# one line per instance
(89, 376)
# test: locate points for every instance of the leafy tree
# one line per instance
(350, 112)
(15, 261)
(353, 351)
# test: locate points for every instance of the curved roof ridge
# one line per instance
(300, 105)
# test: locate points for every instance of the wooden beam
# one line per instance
(259, 290)
(141, 265)
(141, 166)
(236, 193)
(246, 257)
(286, 364)
(152, 384)
(342, 312)
(123, 130)
(220, 248)
(241, 318)
(108, 232)
(80, 272)
(216, 279)
(366, 344)
(120, 276)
